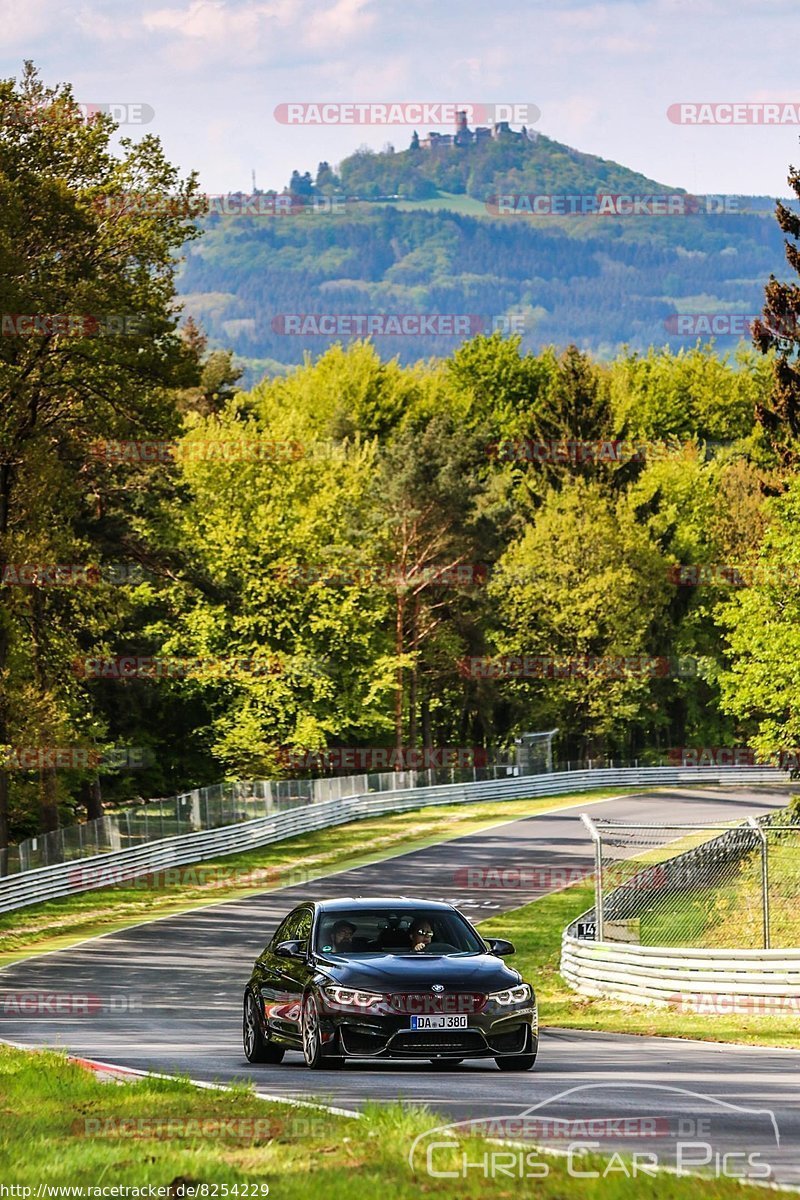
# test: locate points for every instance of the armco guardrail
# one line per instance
(63, 879)
(712, 981)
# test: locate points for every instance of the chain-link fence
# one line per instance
(534, 752)
(215, 806)
(710, 886)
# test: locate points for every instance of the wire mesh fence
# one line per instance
(216, 806)
(709, 886)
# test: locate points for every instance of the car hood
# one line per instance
(418, 972)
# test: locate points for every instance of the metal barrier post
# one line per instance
(594, 834)
(764, 877)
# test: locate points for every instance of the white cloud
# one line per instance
(20, 23)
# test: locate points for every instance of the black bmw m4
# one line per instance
(379, 979)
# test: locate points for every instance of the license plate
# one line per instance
(443, 1021)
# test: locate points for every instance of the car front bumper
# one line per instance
(391, 1037)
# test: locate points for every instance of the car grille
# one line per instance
(419, 1044)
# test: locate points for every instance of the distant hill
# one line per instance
(599, 281)
(514, 161)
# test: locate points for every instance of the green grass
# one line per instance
(62, 1126)
(468, 206)
(536, 930)
(56, 924)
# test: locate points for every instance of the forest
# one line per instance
(205, 580)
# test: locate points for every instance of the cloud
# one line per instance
(21, 23)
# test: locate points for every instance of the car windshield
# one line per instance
(368, 931)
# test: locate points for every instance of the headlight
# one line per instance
(351, 997)
(515, 995)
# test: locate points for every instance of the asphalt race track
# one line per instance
(166, 996)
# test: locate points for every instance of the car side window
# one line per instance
(303, 928)
(294, 928)
(285, 931)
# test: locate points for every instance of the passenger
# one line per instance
(420, 935)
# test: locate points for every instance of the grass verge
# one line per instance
(536, 930)
(62, 1126)
(56, 924)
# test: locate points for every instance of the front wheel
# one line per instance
(257, 1048)
(516, 1062)
(310, 1031)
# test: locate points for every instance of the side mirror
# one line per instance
(290, 949)
(501, 947)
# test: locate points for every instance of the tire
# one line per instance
(518, 1062)
(310, 1031)
(257, 1048)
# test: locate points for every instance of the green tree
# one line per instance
(585, 581)
(761, 685)
(99, 273)
(779, 331)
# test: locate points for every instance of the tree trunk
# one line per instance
(92, 799)
(48, 791)
(412, 682)
(398, 697)
(4, 830)
(5, 493)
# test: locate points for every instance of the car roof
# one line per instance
(349, 903)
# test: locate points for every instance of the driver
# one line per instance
(420, 935)
(342, 936)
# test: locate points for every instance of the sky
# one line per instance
(603, 75)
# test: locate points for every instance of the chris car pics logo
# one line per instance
(599, 1136)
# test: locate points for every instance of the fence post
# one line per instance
(764, 877)
(594, 834)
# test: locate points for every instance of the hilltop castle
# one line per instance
(464, 136)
